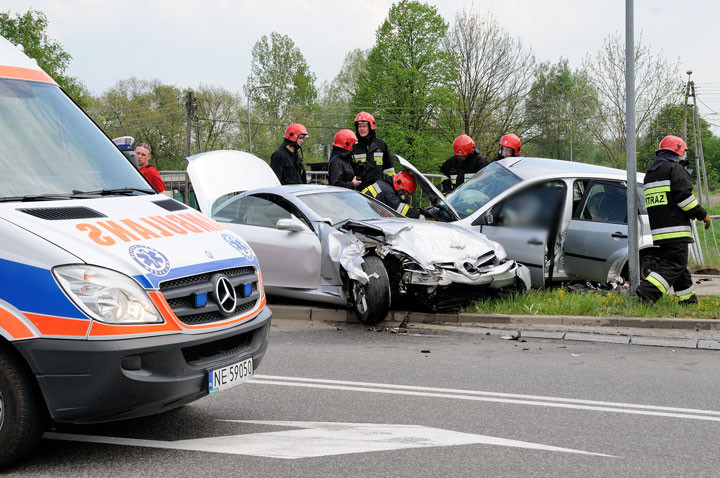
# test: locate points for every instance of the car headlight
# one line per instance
(106, 295)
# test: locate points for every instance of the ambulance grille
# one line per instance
(181, 294)
(62, 213)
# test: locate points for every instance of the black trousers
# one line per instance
(671, 271)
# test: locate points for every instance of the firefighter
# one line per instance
(341, 169)
(387, 191)
(467, 160)
(670, 204)
(371, 155)
(510, 145)
(287, 161)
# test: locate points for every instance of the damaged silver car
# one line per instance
(338, 246)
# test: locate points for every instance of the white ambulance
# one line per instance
(115, 302)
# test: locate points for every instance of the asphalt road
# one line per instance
(344, 401)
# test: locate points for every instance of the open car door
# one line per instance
(435, 197)
(526, 224)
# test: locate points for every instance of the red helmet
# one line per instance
(295, 131)
(404, 181)
(674, 144)
(511, 141)
(463, 145)
(366, 117)
(345, 139)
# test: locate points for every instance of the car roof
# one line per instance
(528, 168)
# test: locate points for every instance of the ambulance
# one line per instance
(115, 302)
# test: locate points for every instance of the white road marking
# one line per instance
(315, 439)
(482, 396)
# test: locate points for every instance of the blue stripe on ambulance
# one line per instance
(43, 297)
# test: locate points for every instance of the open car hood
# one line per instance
(219, 173)
(432, 193)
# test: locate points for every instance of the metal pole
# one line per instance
(248, 110)
(630, 150)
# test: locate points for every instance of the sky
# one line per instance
(187, 43)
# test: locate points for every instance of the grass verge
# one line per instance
(560, 301)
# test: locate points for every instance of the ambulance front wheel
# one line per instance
(22, 410)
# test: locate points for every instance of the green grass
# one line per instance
(560, 301)
(709, 242)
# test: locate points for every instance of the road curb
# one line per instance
(302, 312)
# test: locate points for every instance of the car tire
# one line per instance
(371, 301)
(22, 410)
(648, 262)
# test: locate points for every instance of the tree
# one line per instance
(290, 98)
(30, 30)
(221, 118)
(149, 111)
(558, 109)
(407, 82)
(334, 110)
(492, 75)
(657, 83)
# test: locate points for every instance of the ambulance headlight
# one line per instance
(106, 295)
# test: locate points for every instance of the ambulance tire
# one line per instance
(22, 411)
(371, 301)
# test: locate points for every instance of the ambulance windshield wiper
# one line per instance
(112, 192)
(35, 197)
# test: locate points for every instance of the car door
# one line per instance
(598, 232)
(288, 258)
(525, 223)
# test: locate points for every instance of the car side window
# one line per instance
(287, 206)
(604, 202)
(535, 207)
(251, 211)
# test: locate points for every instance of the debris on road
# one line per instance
(513, 336)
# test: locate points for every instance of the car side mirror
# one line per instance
(289, 225)
(484, 220)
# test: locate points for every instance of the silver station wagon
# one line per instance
(563, 220)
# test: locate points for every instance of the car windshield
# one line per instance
(481, 188)
(49, 147)
(339, 206)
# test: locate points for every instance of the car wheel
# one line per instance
(22, 412)
(648, 262)
(371, 301)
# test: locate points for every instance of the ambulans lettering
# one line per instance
(109, 233)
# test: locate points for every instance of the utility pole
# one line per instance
(188, 119)
(197, 125)
(687, 92)
(630, 150)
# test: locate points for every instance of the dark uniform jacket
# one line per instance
(669, 200)
(372, 159)
(288, 166)
(456, 169)
(340, 168)
(384, 192)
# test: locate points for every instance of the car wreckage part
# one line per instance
(22, 411)
(371, 301)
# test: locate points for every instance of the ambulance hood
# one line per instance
(151, 238)
(220, 173)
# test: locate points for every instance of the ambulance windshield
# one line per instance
(48, 146)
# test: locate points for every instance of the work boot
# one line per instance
(691, 301)
(643, 298)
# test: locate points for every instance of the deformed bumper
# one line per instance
(503, 275)
(97, 381)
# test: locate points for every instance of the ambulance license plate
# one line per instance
(230, 375)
